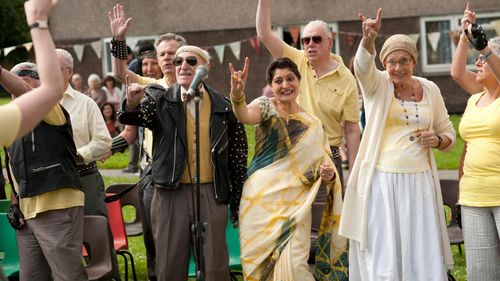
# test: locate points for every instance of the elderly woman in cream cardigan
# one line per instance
(392, 211)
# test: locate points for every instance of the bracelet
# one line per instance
(119, 144)
(464, 38)
(238, 102)
(440, 141)
(119, 49)
(488, 55)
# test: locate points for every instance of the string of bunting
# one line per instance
(348, 37)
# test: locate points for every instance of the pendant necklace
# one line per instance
(414, 99)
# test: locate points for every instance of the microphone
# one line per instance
(200, 75)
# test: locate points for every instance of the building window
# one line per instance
(439, 37)
(132, 42)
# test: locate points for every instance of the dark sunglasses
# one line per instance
(28, 73)
(316, 39)
(191, 60)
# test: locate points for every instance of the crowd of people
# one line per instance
(384, 222)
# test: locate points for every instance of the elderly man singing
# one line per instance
(223, 156)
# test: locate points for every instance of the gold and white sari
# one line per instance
(275, 209)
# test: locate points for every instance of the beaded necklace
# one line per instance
(414, 99)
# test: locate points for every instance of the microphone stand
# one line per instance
(198, 227)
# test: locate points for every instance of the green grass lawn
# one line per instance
(448, 160)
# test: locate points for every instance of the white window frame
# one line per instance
(454, 25)
(107, 65)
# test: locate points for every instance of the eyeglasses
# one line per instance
(28, 73)
(307, 40)
(191, 60)
(401, 62)
(482, 59)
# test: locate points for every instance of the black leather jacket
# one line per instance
(162, 111)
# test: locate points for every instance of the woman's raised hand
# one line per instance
(371, 27)
(238, 79)
(118, 22)
(468, 18)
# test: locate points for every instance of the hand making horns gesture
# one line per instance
(371, 27)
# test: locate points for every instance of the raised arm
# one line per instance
(119, 26)
(263, 23)
(246, 114)
(465, 79)
(371, 27)
(13, 84)
(35, 104)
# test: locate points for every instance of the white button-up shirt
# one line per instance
(90, 133)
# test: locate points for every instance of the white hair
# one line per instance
(94, 77)
(321, 24)
(68, 58)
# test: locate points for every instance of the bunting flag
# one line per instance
(28, 46)
(236, 49)
(350, 39)
(294, 32)
(97, 47)
(79, 51)
(433, 38)
(279, 32)
(255, 42)
(7, 50)
(132, 41)
(414, 37)
(219, 50)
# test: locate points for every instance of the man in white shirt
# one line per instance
(91, 137)
(92, 141)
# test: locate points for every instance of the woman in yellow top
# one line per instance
(25, 112)
(480, 128)
(292, 161)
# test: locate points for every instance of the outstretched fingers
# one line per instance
(378, 19)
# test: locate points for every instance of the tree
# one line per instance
(14, 28)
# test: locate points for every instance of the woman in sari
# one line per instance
(292, 161)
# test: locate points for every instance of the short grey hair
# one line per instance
(181, 41)
(68, 58)
(94, 77)
(321, 24)
(494, 44)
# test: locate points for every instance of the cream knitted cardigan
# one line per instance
(377, 90)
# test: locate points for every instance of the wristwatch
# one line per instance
(39, 24)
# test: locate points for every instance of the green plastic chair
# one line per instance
(9, 257)
(233, 245)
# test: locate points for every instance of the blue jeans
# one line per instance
(481, 228)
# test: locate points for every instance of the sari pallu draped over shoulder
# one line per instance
(275, 210)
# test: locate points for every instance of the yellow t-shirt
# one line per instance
(479, 127)
(333, 98)
(53, 200)
(10, 122)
